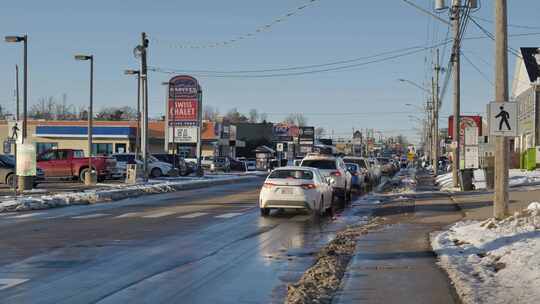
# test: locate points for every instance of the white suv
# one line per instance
(334, 169)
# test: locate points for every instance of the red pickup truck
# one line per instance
(71, 163)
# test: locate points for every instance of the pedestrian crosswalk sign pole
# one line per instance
(503, 119)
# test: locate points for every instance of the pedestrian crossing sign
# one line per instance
(503, 119)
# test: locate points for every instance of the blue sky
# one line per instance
(330, 30)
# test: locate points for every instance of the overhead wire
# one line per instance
(478, 69)
(260, 29)
(338, 68)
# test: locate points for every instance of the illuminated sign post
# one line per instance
(184, 113)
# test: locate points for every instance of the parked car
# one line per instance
(237, 165)
(296, 188)
(71, 163)
(156, 168)
(365, 168)
(358, 179)
(334, 168)
(176, 161)
(222, 164)
(7, 172)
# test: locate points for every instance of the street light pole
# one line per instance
(24, 182)
(138, 135)
(90, 178)
(436, 105)
(500, 204)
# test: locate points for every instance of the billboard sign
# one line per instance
(466, 121)
(281, 132)
(183, 101)
(306, 135)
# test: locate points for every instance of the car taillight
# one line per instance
(336, 173)
(308, 186)
(268, 185)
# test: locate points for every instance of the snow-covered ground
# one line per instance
(493, 261)
(517, 178)
(112, 193)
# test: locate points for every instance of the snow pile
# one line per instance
(494, 261)
(445, 181)
(117, 192)
(517, 178)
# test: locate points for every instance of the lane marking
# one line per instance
(129, 214)
(25, 215)
(159, 214)
(8, 283)
(228, 215)
(192, 215)
(90, 216)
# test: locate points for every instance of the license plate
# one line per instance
(286, 191)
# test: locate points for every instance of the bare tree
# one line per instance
(210, 113)
(263, 117)
(319, 132)
(116, 113)
(297, 119)
(253, 116)
(235, 117)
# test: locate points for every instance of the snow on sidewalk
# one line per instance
(493, 261)
(517, 178)
(114, 193)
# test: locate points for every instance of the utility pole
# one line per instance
(500, 206)
(436, 106)
(144, 94)
(456, 54)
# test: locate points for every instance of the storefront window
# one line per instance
(102, 149)
(120, 148)
(42, 147)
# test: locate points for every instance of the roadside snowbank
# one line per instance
(493, 261)
(115, 193)
(516, 178)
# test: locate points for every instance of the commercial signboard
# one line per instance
(306, 135)
(183, 134)
(466, 121)
(281, 132)
(183, 101)
(183, 109)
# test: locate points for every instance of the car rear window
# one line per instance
(360, 162)
(293, 174)
(320, 164)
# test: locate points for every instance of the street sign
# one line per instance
(279, 147)
(503, 119)
(471, 157)
(15, 131)
(183, 134)
(531, 58)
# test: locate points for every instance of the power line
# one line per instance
(339, 68)
(422, 47)
(478, 69)
(492, 37)
(224, 43)
(511, 25)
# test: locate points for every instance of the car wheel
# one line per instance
(156, 172)
(10, 180)
(265, 211)
(82, 174)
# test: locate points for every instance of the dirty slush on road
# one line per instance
(321, 281)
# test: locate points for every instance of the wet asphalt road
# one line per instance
(200, 246)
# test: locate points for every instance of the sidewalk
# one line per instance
(396, 264)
